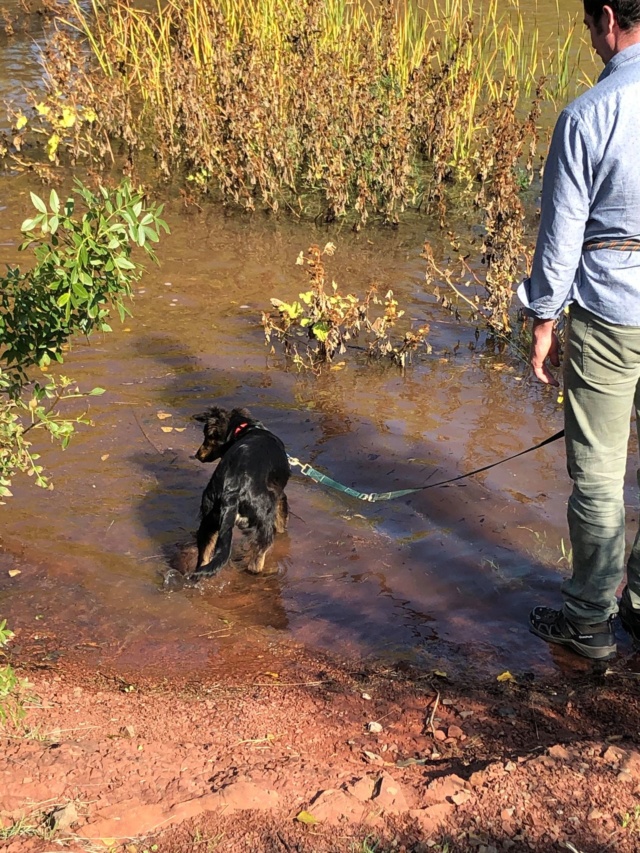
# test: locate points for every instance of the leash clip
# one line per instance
(304, 467)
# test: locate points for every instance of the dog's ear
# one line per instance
(213, 413)
(240, 414)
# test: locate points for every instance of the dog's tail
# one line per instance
(222, 550)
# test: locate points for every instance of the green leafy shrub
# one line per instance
(11, 707)
(84, 270)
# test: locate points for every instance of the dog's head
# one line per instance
(220, 426)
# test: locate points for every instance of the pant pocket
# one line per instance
(610, 357)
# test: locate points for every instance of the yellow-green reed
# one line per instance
(335, 94)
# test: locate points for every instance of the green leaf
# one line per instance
(38, 203)
(63, 299)
(79, 289)
(28, 225)
(54, 202)
(123, 263)
(320, 331)
(96, 392)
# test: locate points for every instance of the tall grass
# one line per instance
(274, 101)
(326, 107)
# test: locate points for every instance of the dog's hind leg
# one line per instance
(222, 551)
(206, 546)
(282, 513)
(262, 542)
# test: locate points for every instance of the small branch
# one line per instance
(476, 309)
(433, 714)
(155, 447)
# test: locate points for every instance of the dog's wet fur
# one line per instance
(245, 491)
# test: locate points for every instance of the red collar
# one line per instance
(239, 429)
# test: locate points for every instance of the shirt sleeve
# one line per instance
(566, 191)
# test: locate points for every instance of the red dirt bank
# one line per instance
(228, 767)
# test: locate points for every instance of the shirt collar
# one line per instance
(629, 53)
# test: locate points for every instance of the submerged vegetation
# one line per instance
(328, 108)
(319, 327)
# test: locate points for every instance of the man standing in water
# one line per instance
(588, 257)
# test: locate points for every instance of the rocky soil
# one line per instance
(322, 756)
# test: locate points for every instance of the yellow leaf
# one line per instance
(21, 121)
(166, 429)
(89, 115)
(42, 109)
(104, 457)
(163, 415)
(505, 676)
(14, 573)
(52, 146)
(68, 118)
(306, 817)
(440, 674)
(338, 366)
(109, 842)
(180, 429)
(272, 674)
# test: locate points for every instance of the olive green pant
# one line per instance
(602, 385)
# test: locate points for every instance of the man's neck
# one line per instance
(625, 39)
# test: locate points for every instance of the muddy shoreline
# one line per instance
(523, 764)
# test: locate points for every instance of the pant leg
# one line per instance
(602, 370)
(633, 565)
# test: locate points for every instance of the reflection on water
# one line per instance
(450, 571)
(445, 577)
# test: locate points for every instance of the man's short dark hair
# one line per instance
(627, 12)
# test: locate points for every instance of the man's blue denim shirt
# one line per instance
(591, 190)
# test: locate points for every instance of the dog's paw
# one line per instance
(202, 574)
(172, 581)
(193, 580)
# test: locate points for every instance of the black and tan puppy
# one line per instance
(246, 489)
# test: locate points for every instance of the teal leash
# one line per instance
(373, 497)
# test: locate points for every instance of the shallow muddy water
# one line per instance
(444, 579)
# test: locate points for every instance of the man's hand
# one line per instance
(544, 345)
